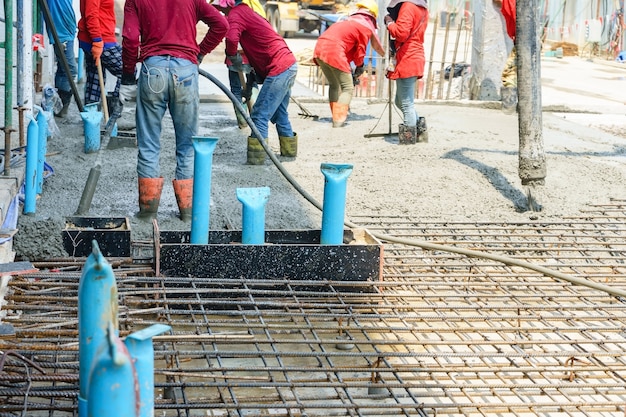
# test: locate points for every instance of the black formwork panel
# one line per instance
(286, 254)
(111, 233)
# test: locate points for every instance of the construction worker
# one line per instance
(342, 44)
(96, 37)
(244, 84)
(276, 68)
(161, 34)
(406, 23)
(64, 21)
(508, 93)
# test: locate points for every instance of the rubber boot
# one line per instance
(422, 130)
(241, 120)
(340, 114)
(332, 107)
(256, 152)
(66, 99)
(407, 135)
(149, 197)
(183, 190)
(508, 95)
(289, 145)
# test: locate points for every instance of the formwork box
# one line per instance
(288, 254)
(111, 233)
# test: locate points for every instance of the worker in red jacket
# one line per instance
(508, 93)
(406, 22)
(276, 68)
(96, 37)
(161, 34)
(342, 44)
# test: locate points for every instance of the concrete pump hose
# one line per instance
(388, 238)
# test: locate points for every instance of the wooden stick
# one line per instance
(103, 93)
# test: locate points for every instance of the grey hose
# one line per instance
(422, 244)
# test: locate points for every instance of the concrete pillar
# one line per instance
(490, 49)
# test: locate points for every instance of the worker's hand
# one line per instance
(388, 20)
(128, 88)
(96, 50)
(358, 71)
(236, 62)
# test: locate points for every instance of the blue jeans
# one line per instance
(271, 104)
(61, 81)
(166, 82)
(405, 99)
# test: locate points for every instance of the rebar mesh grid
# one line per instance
(440, 334)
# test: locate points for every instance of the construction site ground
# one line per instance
(527, 329)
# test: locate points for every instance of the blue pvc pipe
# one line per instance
(81, 65)
(42, 122)
(91, 123)
(201, 205)
(141, 350)
(253, 218)
(30, 171)
(97, 310)
(334, 206)
(113, 388)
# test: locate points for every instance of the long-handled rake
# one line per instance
(304, 112)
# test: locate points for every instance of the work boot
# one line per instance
(340, 114)
(256, 152)
(183, 190)
(407, 135)
(66, 99)
(289, 145)
(332, 107)
(241, 120)
(114, 105)
(508, 95)
(149, 197)
(422, 130)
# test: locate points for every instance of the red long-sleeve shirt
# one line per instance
(267, 51)
(343, 42)
(166, 27)
(509, 12)
(97, 21)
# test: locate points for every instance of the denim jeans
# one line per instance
(166, 82)
(61, 81)
(405, 99)
(271, 104)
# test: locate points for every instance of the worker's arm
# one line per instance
(218, 26)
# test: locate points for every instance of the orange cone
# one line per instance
(149, 197)
(183, 190)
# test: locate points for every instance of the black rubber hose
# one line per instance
(422, 244)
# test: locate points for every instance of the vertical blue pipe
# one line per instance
(30, 172)
(81, 65)
(91, 124)
(201, 206)
(334, 207)
(253, 200)
(141, 350)
(97, 309)
(42, 122)
(113, 383)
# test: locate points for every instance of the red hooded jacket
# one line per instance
(408, 31)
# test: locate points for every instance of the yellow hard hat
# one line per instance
(370, 5)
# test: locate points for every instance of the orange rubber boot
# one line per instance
(183, 190)
(149, 197)
(340, 114)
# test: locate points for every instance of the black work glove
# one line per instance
(358, 71)
(236, 62)
(200, 58)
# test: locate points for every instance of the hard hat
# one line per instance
(370, 5)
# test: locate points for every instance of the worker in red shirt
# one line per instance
(96, 37)
(161, 34)
(508, 93)
(276, 68)
(342, 44)
(406, 23)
